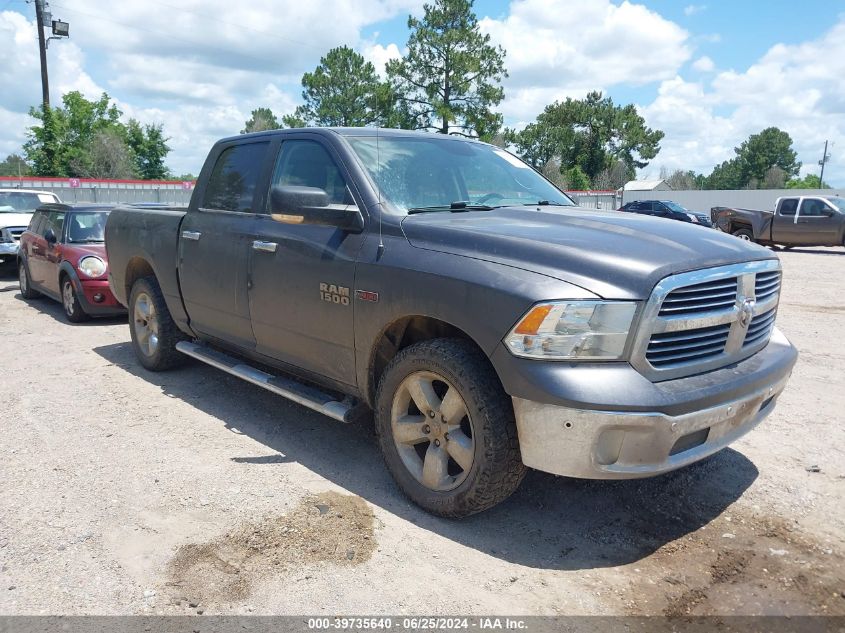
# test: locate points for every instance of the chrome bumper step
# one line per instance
(307, 396)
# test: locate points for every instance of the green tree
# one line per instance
(108, 156)
(75, 138)
(14, 165)
(591, 133)
(762, 161)
(770, 148)
(343, 90)
(679, 179)
(725, 176)
(261, 119)
(149, 149)
(450, 80)
(576, 179)
(810, 181)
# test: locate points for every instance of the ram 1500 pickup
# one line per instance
(487, 322)
(796, 221)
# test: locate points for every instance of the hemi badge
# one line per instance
(366, 295)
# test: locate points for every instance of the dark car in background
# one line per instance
(666, 209)
(62, 255)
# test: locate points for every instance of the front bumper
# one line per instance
(8, 249)
(667, 426)
(97, 299)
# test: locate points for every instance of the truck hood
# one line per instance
(14, 219)
(614, 255)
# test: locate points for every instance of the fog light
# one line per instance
(99, 297)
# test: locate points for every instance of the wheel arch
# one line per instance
(136, 268)
(404, 332)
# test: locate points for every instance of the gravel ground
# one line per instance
(126, 492)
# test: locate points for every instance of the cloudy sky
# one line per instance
(708, 74)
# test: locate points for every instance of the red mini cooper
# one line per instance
(62, 255)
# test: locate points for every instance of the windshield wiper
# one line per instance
(546, 203)
(454, 207)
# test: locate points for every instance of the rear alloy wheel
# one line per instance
(73, 309)
(26, 287)
(744, 234)
(154, 334)
(446, 428)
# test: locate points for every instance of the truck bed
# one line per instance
(150, 235)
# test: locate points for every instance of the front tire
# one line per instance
(70, 302)
(25, 282)
(744, 234)
(446, 429)
(154, 334)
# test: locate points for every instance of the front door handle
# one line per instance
(191, 235)
(264, 247)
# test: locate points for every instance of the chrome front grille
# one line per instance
(706, 319)
(712, 295)
(760, 328)
(766, 285)
(670, 348)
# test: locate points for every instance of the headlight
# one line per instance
(693, 218)
(584, 330)
(5, 237)
(92, 266)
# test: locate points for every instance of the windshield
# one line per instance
(23, 202)
(675, 207)
(839, 203)
(87, 227)
(423, 173)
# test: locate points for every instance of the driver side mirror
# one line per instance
(50, 236)
(294, 204)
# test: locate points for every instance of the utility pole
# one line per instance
(42, 48)
(825, 158)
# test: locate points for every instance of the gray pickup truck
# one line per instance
(445, 286)
(796, 221)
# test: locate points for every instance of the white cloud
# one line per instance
(692, 9)
(554, 52)
(379, 55)
(198, 67)
(704, 64)
(796, 88)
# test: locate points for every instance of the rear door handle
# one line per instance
(191, 235)
(264, 247)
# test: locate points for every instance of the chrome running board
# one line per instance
(305, 395)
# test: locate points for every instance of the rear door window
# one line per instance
(788, 207)
(232, 184)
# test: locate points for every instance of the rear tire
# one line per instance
(26, 284)
(70, 302)
(744, 234)
(154, 334)
(456, 452)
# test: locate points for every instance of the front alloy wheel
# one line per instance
(433, 431)
(446, 428)
(73, 309)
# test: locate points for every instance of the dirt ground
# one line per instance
(126, 492)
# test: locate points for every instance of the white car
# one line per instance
(16, 209)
